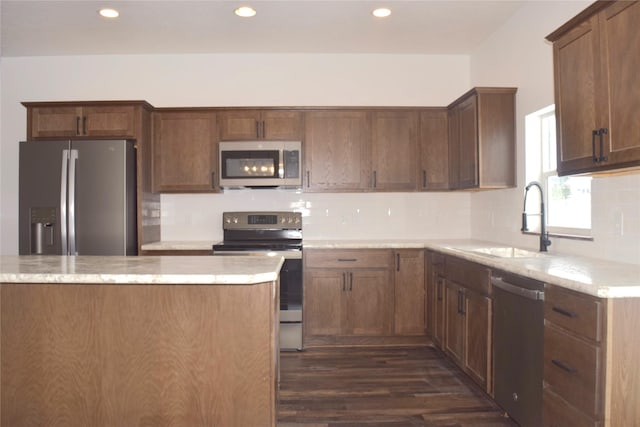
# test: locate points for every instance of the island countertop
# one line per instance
(175, 270)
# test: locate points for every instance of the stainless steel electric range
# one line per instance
(272, 234)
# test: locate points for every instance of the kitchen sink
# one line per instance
(507, 252)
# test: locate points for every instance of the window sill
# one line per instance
(562, 236)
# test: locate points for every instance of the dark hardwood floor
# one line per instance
(379, 386)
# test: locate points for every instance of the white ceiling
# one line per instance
(51, 27)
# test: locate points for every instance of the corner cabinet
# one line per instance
(482, 139)
(597, 88)
(185, 151)
(260, 124)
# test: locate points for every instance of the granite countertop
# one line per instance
(601, 278)
(179, 245)
(187, 270)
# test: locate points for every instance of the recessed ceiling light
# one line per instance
(109, 13)
(381, 12)
(245, 11)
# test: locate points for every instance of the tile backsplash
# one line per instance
(325, 216)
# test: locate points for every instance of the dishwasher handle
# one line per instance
(532, 294)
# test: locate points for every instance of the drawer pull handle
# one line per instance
(347, 259)
(565, 312)
(344, 282)
(564, 366)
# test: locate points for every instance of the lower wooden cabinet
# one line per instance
(409, 312)
(348, 293)
(364, 292)
(467, 319)
(435, 284)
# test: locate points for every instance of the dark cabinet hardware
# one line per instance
(568, 369)
(374, 179)
(397, 262)
(257, 129)
(347, 259)
(308, 180)
(77, 125)
(84, 125)
(602, 132)
(564, 312)
(594, 133)
(350, 281)
(213, 180)
(264, 129)
(424, 179)
(344, 282)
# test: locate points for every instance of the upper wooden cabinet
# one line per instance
(434, 150)
(597, 88)
(185, 151)
(84, 121)
(336, 150)
(394, 150)
(482, 139)
(242, 125)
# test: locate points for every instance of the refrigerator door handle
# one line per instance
(72, 202)
(63, 201)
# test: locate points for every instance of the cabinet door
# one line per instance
(439, 312)
(576, 76)
(620, 36)
(434, 150)
(477, 318)
(324, 301)
(116, 121)
(370, 302)
(453, 119)
(394, 150)
(185, 152)
(240, 125)
(53, 122)
(335, 150)
(454, 322)
(282, 125)
(409, 286)
(468, 139)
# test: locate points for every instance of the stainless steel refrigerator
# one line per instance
(78, 198)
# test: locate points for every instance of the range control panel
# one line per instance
(261, 220)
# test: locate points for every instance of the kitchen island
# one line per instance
(107, 341)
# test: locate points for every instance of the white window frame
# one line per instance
(534, 171)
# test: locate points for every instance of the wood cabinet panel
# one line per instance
(558, 413)
(473, 276)
(596, 88)
(409, 281)
(478, 325)
(323, 302)
(454, 323)
(370, 303)
(185, 151)
(243, 125)
(575, 312)
(439, 313)
(336, 150)
(572, 368)
(482, 139)
(82, 121)
(434, 150)
(356, 299)
(394, 159)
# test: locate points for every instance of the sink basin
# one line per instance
(508, 252)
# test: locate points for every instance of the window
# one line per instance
(568, 198)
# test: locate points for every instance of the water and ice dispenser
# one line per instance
(43, 228)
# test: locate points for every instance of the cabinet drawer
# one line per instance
(572, 369)
(558, 413)
(471, 275)
(578, 313)
(348, 258)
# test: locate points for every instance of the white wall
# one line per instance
(252, 80)
(517, 54)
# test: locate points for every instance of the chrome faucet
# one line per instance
(544, 235)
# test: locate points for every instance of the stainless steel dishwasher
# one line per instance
(518, 339)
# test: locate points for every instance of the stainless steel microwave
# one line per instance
(260, 164)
